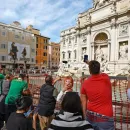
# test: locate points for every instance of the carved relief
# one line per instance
(88, 18)
(123, 51)
(113, 8)
(123, 29)
(99, 3)
(84, 38)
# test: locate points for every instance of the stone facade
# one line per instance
(102, 33)
(14, 32)
(54, 55)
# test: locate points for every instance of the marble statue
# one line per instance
(99, 3)
(123, 52)
(84, 51)
(84, 38)
(77, 23)
(123, 30)
(88, 18)
(125, 71)
(99, 54)
(104, 64)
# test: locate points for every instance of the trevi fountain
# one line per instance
(103, 33)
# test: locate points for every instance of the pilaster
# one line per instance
(89, 43)
(113, 40)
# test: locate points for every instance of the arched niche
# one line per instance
(101, 47)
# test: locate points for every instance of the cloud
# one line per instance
(49, 16)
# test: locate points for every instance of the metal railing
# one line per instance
(121, 104)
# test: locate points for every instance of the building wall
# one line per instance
(110, 18)
(42, 51)
(15, 33)
(55, 54)
(41, 47)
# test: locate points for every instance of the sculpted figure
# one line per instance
(13, 51)
(99, 54)
(123, 52)
(78, 23)
(99, 3)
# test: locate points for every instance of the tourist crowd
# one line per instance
(90, 109)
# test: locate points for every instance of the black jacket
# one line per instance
(47, 101)
(17, 121)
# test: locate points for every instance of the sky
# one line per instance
(49, 16)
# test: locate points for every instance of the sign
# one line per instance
(18, 51)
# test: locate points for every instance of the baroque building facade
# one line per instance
(102, 33)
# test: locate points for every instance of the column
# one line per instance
(129, 42)
(72, 53)
(92, 51)
(89, 43)
(109, 46)
(79, 47)
(113, 40)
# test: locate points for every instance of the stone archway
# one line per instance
(101, 47)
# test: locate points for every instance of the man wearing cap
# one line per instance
(16, 88)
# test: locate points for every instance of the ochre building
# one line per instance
(41, 48)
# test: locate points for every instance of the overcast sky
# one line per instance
(49, 16)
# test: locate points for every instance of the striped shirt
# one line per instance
(70, 121)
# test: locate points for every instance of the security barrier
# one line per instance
(121, 105)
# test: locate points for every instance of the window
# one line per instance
(44, 40)
(33, 39)
(17, 36)
(36, 52)
(75, 55)
(36, 45)
(36, 61)
(3, 58)
(63, 55)
(33, 50)
(45, 47)
(44, 54)
(69, 55)
(44, 62)
(32, 59)
(75, 39)
(3, 46)
(22, 37)
(3, 33)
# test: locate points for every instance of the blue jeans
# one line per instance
(100, 122)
